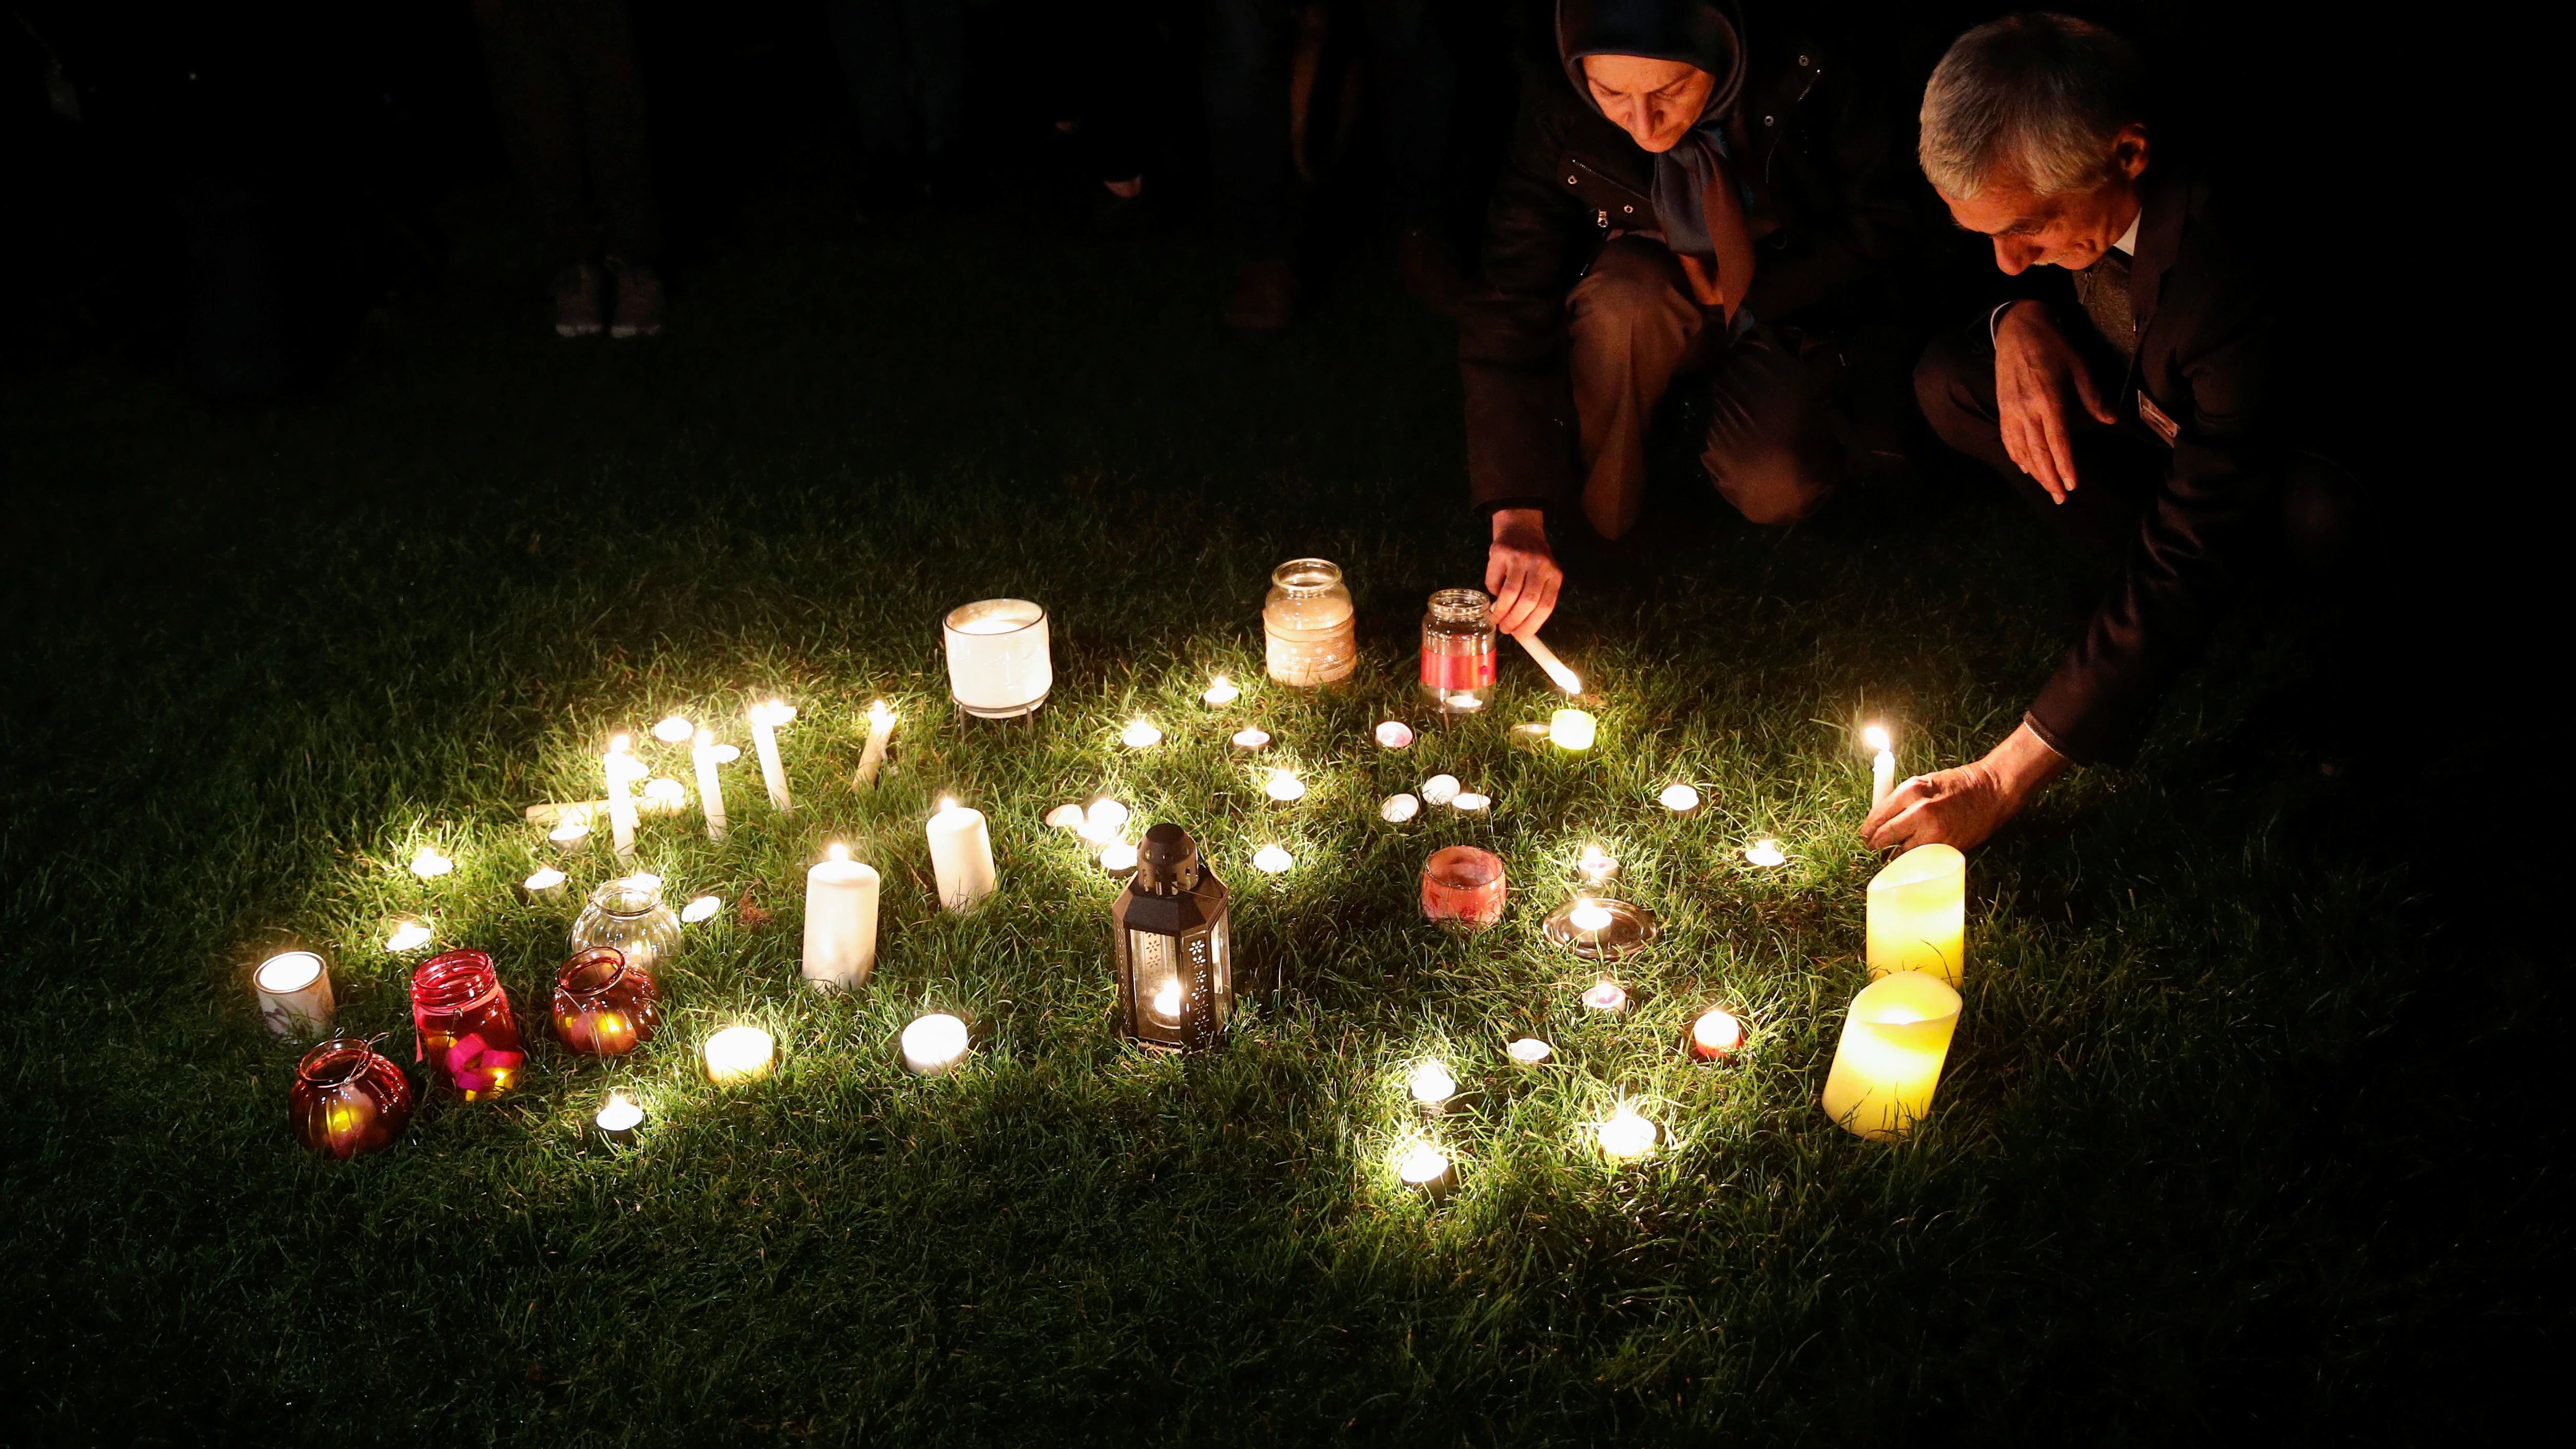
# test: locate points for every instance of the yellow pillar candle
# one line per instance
(1918, 913)
(1894, 1040)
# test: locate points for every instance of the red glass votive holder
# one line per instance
(604, 1006)
(348, 1098)
(467, 1035)
(1463, 884)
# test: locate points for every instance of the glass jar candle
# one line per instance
(467, 1035)
(1458, 651)
(627, 915)
(999, 666)
(1465, 885)
(604, 1005)
(348, 1098)
(1313, 632)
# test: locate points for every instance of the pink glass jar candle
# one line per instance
(348, 1098)
(605, 1006)
(1463, 884)
(467, 1035)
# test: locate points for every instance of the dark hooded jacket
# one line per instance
(1827, 155)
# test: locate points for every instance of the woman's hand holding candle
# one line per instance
(1520, 572)
(1965, 806)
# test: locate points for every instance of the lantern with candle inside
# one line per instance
(468, 1036)
(604, 1005)
(1464, 885)
(1571, 729)
(619, 1120)
(1458, 651)
(1173, 947)
(1309, 623)
(348, 1098)
(738, 1054)
(961, 856)
(1918, 913)
(934, 1044)
(840, 920)
(998, 663)
(1895, 1038)
(294, 992)
(1716, 1035)
(628, 916)
(1424, 1168)
(1598, 928)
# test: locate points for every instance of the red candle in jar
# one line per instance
(467, 1035)
(348, 1098)
(605, 1006)
(1463, 884)
(1458, 650)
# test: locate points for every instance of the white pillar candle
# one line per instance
(1882, 766)
(872, 758)
(1895, 1039)
(622, 770)
(708, 754)
(294, 994)
(739, 1054)
(933, 1044)
(1561, 676)
(998, 663)
(765, 718)
(840, 921)
(961, 856)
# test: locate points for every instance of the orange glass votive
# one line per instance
(1463, 884)
(605, 1007)
(348, 1098)
(467, 1035)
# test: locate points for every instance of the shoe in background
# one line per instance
(577, 301)
(639, 300)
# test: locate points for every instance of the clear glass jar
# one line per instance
(627, 916)
(1313, 631)
(1458, 651)
(468, 1037)
(348, 1098)
(604, 1006)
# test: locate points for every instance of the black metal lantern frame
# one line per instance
(1173, 947)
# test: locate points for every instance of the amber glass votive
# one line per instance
(604, 1006)
(348, 1098)
(1463, 884)
(468, 1037)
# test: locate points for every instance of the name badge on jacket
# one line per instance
(2154, 417)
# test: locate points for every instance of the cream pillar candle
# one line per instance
(840, 921)
(934, 1044)
(961, 856)
(765, 718)
(294, 994)
(1895, 1038)
(1918, 913)
(1882, 766)
(872, 759)
(622, 770)
(708, 754)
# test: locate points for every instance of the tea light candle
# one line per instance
(1065, 817)
(701, 910)
(1766, 852)
(1284, 787)
(1272, 860)
(1140, 734)
(1423, 1168)
(1222, 692)
(407, 936)
(1431, 1085)
(1895, 1039)
(1394, 734)
(547, 882)
(1626, 1135)
(1716, 1034)
(428, 864)
(1882, 767)
(671, 729)
(1561, 676)
(1529, 1051)
(622, 770)
(739, 1054)
(1597, 865)
(765, 719)
(1918, 913)
(1251, 737)
(1119, 858)
(618, 1119)
(1571, 729)
(840, 920)
(294, 993)
(933, 1044)
(1590, 916)
(1604, 995)
(1470, 801)
(570, 834)
(872, 757)
(961, 856)
(707, 754)
(1399, 809)
(1680, 799)
(1439, 789)
(1102, 820)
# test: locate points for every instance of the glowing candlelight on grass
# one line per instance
(1894, 1041)
(1394, 734)
(1591, 917)
(1423, 1167)
(707, 754)
(1605, 995)
(933, 1044)
(1626, 1135)
(765, 719)
(1399, 808)
(618, 1119)
(1167, 1001)
(1597, 865)
(571, 833)
(1571, 729)
(671, 729)
(1284, 786)
(1563, 677)
(1222, 692)
(1766, 852)
(1918, 913)
(1271, 860)
(739, 1054)
(547, 882)
(1529, 1051)
(1119, 858)
(1102, 821)
(1439, 789)
(700, 910)
(622, 770)
(961, 855)
(1679, 799)
(840, 920)
(1716, 1034)
(407, 936)
(1251, 737)
(428, 864)
(1882, 766)
(872, 758)
(1432, 1085)
(1140, 734)
(1470, 801)
(665, 796)
(294, 994)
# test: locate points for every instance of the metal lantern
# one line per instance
(1175, 956)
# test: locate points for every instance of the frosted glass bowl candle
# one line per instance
(998, 664)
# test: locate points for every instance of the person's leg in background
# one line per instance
(600, 55)
(533, 99)
(936, 34)
(869, 35)
(1245, 72)
(1631, 323)
(1414, 80)
(1772, 448)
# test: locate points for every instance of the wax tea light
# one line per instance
(934, 1044)
(294, 992)
(407, 936)
(1221, 692)
(671, 729)
(1895, 1039)
(766, 718)
(1284, 786)
(1571, 729)
(619, 1119)
(603, 1006)
(1439, 789)
(1606, 996)
(1716, 1034)
(665, 796)
(1271, 860)
(1119, 859)
(1597, 865)
(700, 910)
(1470, 801)
(1102, 820)
(1140, 734)
(1431, 1085)
(1680, 799)
(840, 920)
(1425, 1169)
(546, 883)
(1066, 817)
(999, 666)
(468, 1036)
(1626, 1135)
(348, 1098)
(1251, 737)
(428, 864)
(1309, 624)
(1458, 651)
(1464, 885)
(1529, 1051)
(961, 856)
(1765, 853)
(571, 834)
(1918, 913)
(738, 1054)
(1398, 809)
(1394, 734)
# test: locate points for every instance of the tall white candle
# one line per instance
(840, 921)
(1882, 768)
(622, 770)
(708, 755)
(294, 994)
(1562, 677)
(765, 720)
(961, 856)
(872, 759)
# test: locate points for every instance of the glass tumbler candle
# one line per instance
(1458, 651)
(1465, 885)
(605, 1007)
(467, 1034)
(348, 1098)
(1312, 628)
(627, 916)
(998, 664)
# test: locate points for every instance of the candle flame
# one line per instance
(947, 802)
(837, 851)
(1876, 736)
(1421, 1165)
(879, 715)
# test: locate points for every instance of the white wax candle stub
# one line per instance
(1118, 857)
(1440, 789)
(545, 882)
(1605, 996)
(1421, 1165)
(1395, 734)
(704, 908)
(1529, 1051)
(872, 756)
(1272, 859)
(1766, 853)
(1716, 1033)
(294, 992)
(1431, 1084)
(1679, 798)
(739, 1054)
(1627, 1134)
(1597, 865)
(1590, 916)
(1066, 817)
(620, 1115)
(571, 832)
(840, 920)
(429, 863)
(1140, 735)
(1103, 820)
(1399, 809)
(1470, 800)
(961, 856)
(934, 1043)
(1284, 786)
(1222, 692)
(672, 729)
(407, 936)
(1571, 729)
(1251, 738)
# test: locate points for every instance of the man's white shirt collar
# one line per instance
(2128, 241)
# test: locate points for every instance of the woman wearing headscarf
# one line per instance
(1701, 177)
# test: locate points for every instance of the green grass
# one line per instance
(2189, 1174)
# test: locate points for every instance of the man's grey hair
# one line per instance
(2033, 98)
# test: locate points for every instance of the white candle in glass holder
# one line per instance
(622, 770)
(880, 730)
(961, 856)
(998, 662)
(840, 921)
(294, 994)
(765, 718)
(708, 754)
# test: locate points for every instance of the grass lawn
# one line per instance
(2217, 1149)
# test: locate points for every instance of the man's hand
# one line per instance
(1962, 807)
(1519, 571)
(2035, 369)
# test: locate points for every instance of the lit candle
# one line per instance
(671, 729)
(1222, 692)
(407, 936)
(1626, 1135)
(1716, 1034)
(1140, 734)
(1102, 820)
(571, 833)
(1882, 766)
(1894, 1041)
(1604, 995)
(1394, 734)
(1591, 917)
(933, 1044)
(1119, 858)
(738, 1054)
(294, 994)
(1463, 884)
(1284, 786)
(765, 720)
(1399, 809)
(618, 1119)
(1680, 799)
(1251, 737)
(1469, 801)
(840, 920)
(1597, 865)
(708, 754)
(961, 856)
(1423, 1168)
(1271, 860)
(547, 882)
(1571, 729)
(1529, 1051)
(1766, 852)
(872, 758)
(1918, 913)
(1439, 789)
(998, 663)
(1431, 1085)
(622, 770)
(1066, 817)
(1563, 677)
(427, 863)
